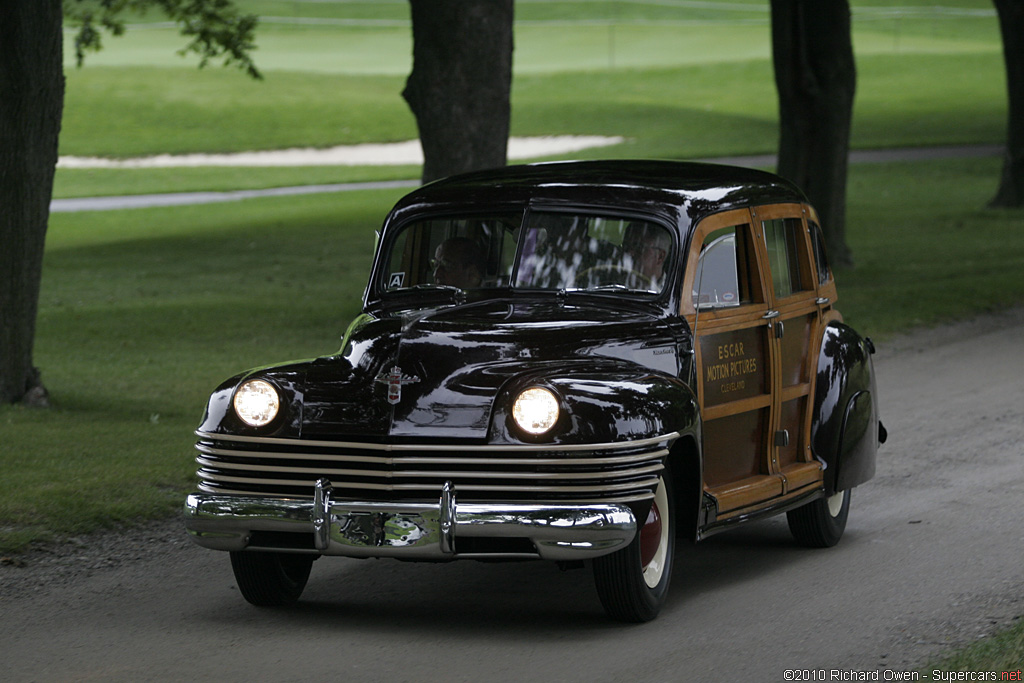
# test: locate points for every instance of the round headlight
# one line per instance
(257, 402)
(535, 410)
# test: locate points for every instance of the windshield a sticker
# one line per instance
(396, 280)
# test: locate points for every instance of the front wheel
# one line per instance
(271, 579)
(632, 583)
(820, 523)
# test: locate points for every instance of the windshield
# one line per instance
(549, 251)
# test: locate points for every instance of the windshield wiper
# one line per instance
(457, 294)
(613, 288)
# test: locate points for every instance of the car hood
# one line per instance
(437, 372)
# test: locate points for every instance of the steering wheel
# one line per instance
(612, 274)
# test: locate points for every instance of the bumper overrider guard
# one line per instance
(414, 531)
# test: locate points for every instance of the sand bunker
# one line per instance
(387, 154)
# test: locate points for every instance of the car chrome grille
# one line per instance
(596, 473)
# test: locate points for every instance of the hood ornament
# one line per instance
(395, 379)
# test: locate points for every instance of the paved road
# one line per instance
(931, 557)
(144, 201)
(187, 198)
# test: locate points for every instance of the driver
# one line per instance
(646, 247)
(458, 263)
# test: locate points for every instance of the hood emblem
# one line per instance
(395, 379)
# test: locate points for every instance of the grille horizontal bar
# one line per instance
(331, 473)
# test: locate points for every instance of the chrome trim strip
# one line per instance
(642, 483)
(298, 455)
(637, 498)
(610, 460)
(420, 460)
(613, 445)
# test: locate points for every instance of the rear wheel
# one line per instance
(633, 582)
(820, 523)
(271, 579)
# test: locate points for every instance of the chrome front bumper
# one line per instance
(414, 531)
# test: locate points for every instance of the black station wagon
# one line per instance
(576, 361)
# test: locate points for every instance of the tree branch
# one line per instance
(216, 27)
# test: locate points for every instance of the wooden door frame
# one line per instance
(803, 302)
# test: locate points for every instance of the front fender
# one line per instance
(220, 417)
(845, 430)
(601, 406)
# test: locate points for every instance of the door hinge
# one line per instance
(782, 438)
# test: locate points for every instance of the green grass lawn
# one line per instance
(926, 251)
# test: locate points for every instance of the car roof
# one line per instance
(683, 188)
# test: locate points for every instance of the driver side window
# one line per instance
(722, 278)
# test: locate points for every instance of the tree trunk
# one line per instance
(816, 78)
(459, 88)
(1011, 23)
(31, 103)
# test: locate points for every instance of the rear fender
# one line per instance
(845, 431)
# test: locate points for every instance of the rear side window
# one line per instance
(820, 257)
(784, 241)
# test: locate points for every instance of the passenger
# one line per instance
(647, 248)
(458, 262)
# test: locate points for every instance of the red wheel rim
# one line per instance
(650, 536)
